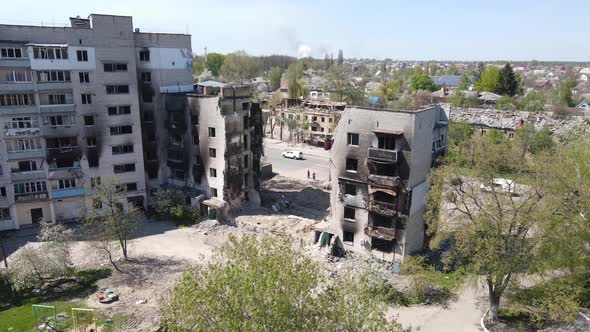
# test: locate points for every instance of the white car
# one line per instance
(293, 154)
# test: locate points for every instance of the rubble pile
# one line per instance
(512, 119)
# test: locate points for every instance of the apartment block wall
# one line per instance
(413, 132)
(105, 39)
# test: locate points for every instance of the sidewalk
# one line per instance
(305, 148)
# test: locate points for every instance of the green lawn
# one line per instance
(20, 316)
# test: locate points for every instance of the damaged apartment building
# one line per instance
(380, 163)
(70, 112)
(315, 119)
(209, 142)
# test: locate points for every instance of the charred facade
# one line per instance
(71, 104)
(381, 159)
(214, 145)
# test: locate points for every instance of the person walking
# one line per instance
(314, 176)
(308, 173)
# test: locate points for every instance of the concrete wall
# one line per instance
(110, 39)
(414, 163)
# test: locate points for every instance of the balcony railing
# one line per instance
(384, 180)
(382, 233)
(27, 154)
(383, 155)
(18, 176)
(68, 192)
(18, 132)
(31, 197)
(65, 172)
(384, 208)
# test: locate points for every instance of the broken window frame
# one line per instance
(349, 163)
(120, 89)
(124, 168)
(121, 130)
(348, 237)
(349, 213)
(122, 149)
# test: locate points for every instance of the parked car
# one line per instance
(293, 154)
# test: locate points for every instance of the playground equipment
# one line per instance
(84, 320)
(45, 317)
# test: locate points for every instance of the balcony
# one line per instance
(65, 173)
(59, 108)
(31, 197)
(53, 86)
(27, 175)
(68, 192)
(384, 180)
(23, 132)
(52, 131)
(381, 233)
(14, 62)
(390, 156)
(17, 87)
(29, 154)
(381, 207)
(19, 110)
(234, 149)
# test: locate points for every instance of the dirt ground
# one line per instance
(161, 251)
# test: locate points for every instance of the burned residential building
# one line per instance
(70, 112)
(311, 120)
(380, 163)
(214, 145)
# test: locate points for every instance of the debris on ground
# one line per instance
(107, 295)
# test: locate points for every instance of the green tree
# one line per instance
(296, 87)
(198, 65)
(508, 83)
(337, 80)
(533, 101)
(164, 200)
(108, 224)
(464, 83)
(213, 63)
(238, 67)
(527, 139)
(562, 95)
(451, 70)
(274, 75)
(250, 276)
(389, 89)
(422, 82)
(505, 103)
(502, 230)
(481, 68)
(489, 80)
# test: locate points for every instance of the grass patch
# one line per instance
(20, 317)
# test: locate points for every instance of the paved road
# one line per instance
(297, 168)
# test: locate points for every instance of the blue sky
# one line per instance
(415, 29)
